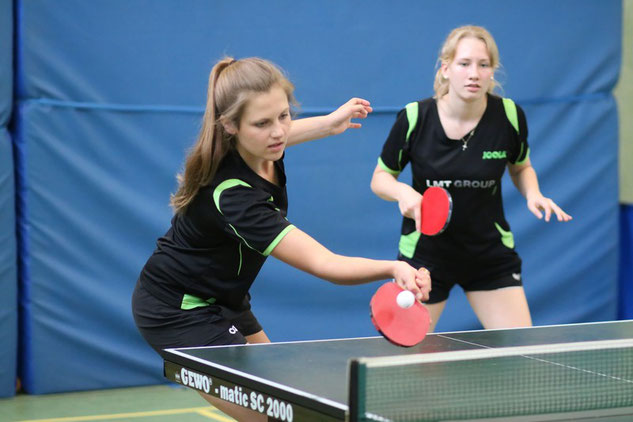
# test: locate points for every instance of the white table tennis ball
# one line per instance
(405, 299)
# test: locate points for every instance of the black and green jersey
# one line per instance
(213, 251)
(470, 169)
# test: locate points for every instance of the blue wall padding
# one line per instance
(8, 248)
(110, 97)
(151, 54)
(8, 270)
(92, 216)
(6, 61)
(625, 305)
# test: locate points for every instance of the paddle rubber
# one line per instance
(404, 327)
(435, 210)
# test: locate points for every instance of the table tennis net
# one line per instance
(494, 383)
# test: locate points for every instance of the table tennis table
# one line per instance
(319, 380)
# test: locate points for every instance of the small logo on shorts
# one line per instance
(233, 330)
(516, 276)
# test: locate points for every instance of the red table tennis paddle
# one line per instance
(403, 326)
(435, 210)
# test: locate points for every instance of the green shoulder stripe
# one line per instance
(412, 117)
(227, 184)
(511, 112)
(412, 120)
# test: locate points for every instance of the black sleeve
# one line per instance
(251, 216)
(394, 156)
(520, 149)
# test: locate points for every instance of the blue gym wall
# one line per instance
(109, 97)
(8, 253)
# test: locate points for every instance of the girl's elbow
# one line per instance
(372, 186)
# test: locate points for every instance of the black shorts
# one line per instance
(163, 326)
(471, 276)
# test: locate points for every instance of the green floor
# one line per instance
(140, 404)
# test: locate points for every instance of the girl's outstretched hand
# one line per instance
(540, 204)
(341, 119)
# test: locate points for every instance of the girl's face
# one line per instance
(264, 127)
(470, 72)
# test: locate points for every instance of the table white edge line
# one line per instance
(379, 337)
(487, 353)
(261, 380)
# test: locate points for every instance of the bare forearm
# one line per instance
(338, 121)
(387, 187)
(526, 181)
(308, 129)
(354, 270)
(303, 252)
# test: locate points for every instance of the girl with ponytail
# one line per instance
(230, 215)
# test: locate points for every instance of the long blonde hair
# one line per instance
(447, 54)
(231, 84)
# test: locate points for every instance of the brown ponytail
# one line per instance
(231, 84)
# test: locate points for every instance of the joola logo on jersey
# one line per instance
(494, 155)
(476, 184)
